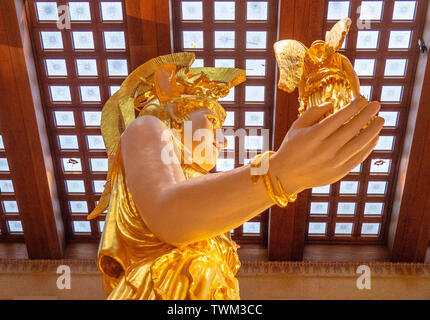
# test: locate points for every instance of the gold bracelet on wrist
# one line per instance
(280, 198)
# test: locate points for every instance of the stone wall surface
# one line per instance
(37, 279)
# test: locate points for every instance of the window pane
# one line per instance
(60, 93)
(78, 206)
(404, 10)
(364, 67)
(319, 207)
(380, 165)
(6, 186)
(99, 165)
(390, 118)
(391, 93)
(81, 226)
(255, 67)
(192, 39)
(192, 10)
(224, 164)
(95, 142)
(399, 39)
(224, 10)
(83, 40)
(56, 67)
(113, 89)
(229, 119)
(366, 91)
(348, 187)
(356, 169)
(47, 11)
(117, 67)
(75, 186)
(343, 228)
(92, 118)
(251, 227)
(90, 93)
(337, 10)
(198, 63)
(4, 166)
(10, 206)
(253, 142)
(395, 67)
(367, 39)
(86, 67)
(373, 208)
(224, 39)
(114, 39)
(79, 11)
(317, 228)
(256, 10)
(71, 164)
(14, 226)
(321, 190)
(370, 228)
(99, 186)
(64, 118)
(1, 143)
(347, 208)
(376, 187)
(385, 143)
(254, 118)
(68, 142)
(224, 63)
(111, 11)
(256, 39)
(254, 93)
(51, 40)
(101, 225)
(371, 10)
(230, 142)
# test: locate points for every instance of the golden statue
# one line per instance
(321, 74)
(135, 264)
(167, 228)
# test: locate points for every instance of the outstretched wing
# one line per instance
(290, 56)
(335, 37)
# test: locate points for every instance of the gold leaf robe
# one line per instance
(137, 265)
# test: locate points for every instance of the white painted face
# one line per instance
(208, 139)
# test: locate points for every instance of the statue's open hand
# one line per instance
(316, 153)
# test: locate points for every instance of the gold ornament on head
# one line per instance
(321, 74)
(163, 83)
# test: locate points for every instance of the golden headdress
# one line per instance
(164, 80)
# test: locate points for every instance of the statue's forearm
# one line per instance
(205, 206)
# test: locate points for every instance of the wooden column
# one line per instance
(409, 230)
(299, 20)
(25, 137)
(149, 32)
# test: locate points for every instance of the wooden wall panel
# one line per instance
(300, 20)
(25, 137)
(409, 231)
(148, 29)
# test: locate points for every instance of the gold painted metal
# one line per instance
(135, 264)
(320, 73)
(280, 198)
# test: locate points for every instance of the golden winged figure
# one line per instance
(321, 74)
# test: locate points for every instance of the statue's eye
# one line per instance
(213, 120)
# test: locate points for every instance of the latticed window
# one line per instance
(236, 34)
(10, 220)
(383, 47)
(79, 69)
